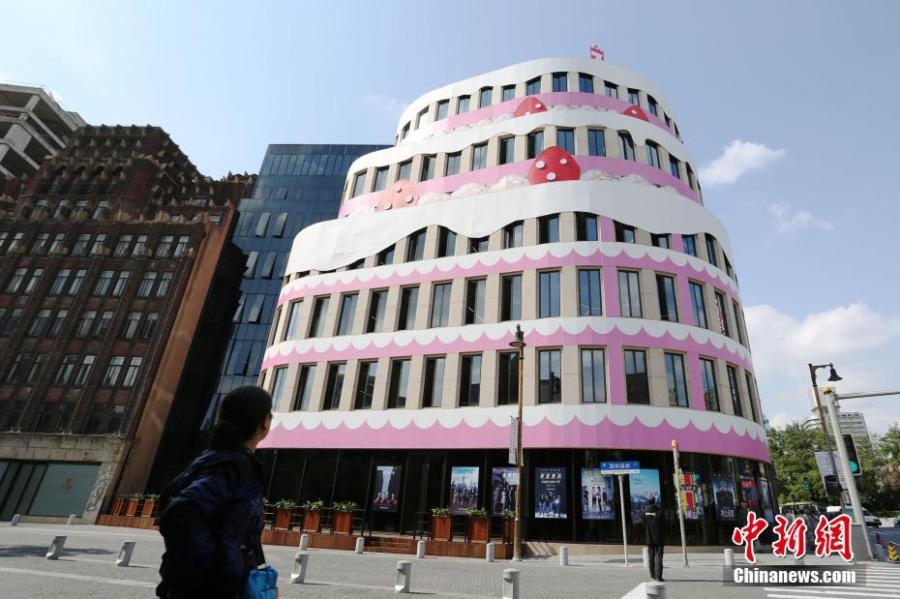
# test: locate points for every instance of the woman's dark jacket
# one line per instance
(211, 518)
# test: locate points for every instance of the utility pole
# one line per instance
(519, 343)
(832, 378)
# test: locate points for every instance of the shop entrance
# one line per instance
(422, 490)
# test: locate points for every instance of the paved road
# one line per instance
(87, 570)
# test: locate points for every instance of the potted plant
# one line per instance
(118, 507)
(509, 525)
(479, 525)
(283, 510)
(134, 501)
(149, 509)
(312, 515)
(441, 524)
(343, 517)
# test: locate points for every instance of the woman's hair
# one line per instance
(241, 414)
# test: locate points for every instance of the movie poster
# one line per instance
(642, 487)
(597, 495)
(723, 492)
(550, 493)
(766, 497)
(691, 496)
(749, 493)
(386, 494)
(463, 489)
(504, 486)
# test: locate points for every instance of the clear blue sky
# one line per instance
(815, 80)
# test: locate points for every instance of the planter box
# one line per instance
(283, 518)
(312, 521)
(343, 522)
(479, 529)
(148, 510)
(132, 508)
(509, 530)
(118, 507)
(441, 528)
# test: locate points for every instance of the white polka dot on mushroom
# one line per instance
(540, 164)
(563, 161)
(551, 176)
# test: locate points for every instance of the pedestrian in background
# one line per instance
(655, 529)
(211, 515)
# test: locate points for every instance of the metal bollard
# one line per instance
(655, 590)
(15, 520)
(489, 552)
(56, 547)
(71, 520)
(304, 542)
(360, 545)
(301, 565)
(125, 552)
(404, 572)
(563, 556)
(510, 583)
(646, 557)
(878, 553)
(420, 550)
(729, 558)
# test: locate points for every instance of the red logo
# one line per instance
(834, 537)
(791, 537)
(749, 533)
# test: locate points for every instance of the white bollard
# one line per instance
(56, 547)
(15, 520)
(645, 555)
(71, 520)
(301, 565)
(878, 552)
(420, 550)
(510, 583)
(304, 542)
(404, 572)
(729, 558)
(489, 552)
(360, 545)
(125, 552)
(563, 556)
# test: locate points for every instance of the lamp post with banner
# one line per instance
(518, 343)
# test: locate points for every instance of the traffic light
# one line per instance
(832, 485)
(855, 466)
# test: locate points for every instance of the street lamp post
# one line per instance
(519, 343)
(833, 377)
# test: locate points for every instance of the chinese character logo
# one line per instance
(745, 535)
(791, 537)
(834, 537)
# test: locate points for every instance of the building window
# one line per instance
(453, 163)
(420, 116)
(139, 246)
(722, 314)
(535, 143)
(585, 83)
(39, 245)
(626, 146)
(377, 302)
(409, 297)
(81, 244)
(165, 280)
(184, 240)
(637, 388)
(661, 241)
(634, 97)
(698, 304)
(85, 323)
(18, 366)
(674, 167)
(121, 283)
(512, 235)
(711, 250)
(66, 370)
(665, 291)
(252, 258)
(630, 294)
(317, 322)
(11, 322)
(510, 297)
(690, 244)
(506, 150)
(625, 233)
(304, 387)
(132, 324)
(585, 227)
(334, 384)
(549, 376)
(365, 385)
(149, 326)
(440, 305)
(399, 382)
(57, 245)
(58, 321)
(415, 246)
(385, 256)
(565, 139)
(146, 285)
(34, 373)
(508, 378)
(359, 185)
(263, 223)
(652, 105)
(427, 171)
(103, 283)
(462, 104)
(533, 86)
(381, 175)
(484, 97)
(548, 290)
(104, 323)
(84, 371)
(735, 391)
(593, 376)
(293, 323)
(478, 244)
(738, 324)
(675, 380)
(267, 267)
(560, 82)
(165, 246)
(508, 93)
(348, 310)
(443, 108)
(708, 376)
(589, 299)
(113, 370)
(475, 301)
(404, 171)
(59, 283)
(548, 229)
(750, 396)
(469, 380)
(653, 155)
(446, 243)
(432, 390)
(596, 142)
(134, 366)
(479, 157)
(611, 89)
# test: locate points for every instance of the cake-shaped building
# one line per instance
(556, 195)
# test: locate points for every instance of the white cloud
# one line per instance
(739, 157)
(789, 221)
(384, 104)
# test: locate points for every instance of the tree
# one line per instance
(889, 446)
